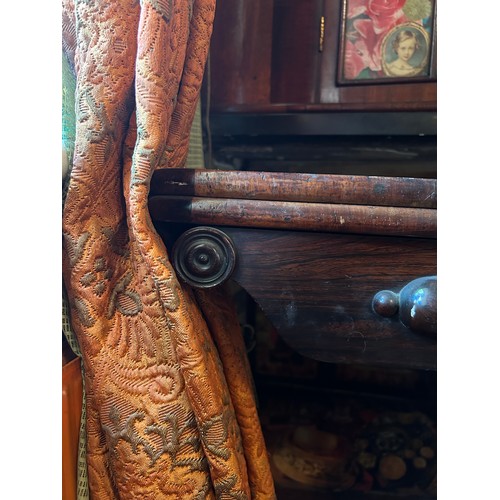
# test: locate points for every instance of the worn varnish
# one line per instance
(358, 219)
(72, 391)
(315, 266)
(296, 57)
(317, 289)
(240, 52)
(301, 187)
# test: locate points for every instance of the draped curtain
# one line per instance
(169, 404)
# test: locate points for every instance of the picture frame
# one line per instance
(387, 41)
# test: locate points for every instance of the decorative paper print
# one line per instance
(387, 40)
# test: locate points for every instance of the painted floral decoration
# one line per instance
(370, 23)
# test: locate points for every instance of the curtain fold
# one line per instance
(170, 410)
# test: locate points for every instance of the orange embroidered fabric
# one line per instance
(170, 410)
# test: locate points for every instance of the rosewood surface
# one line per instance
(358, 219)
(317, 289)
(300, 187)
(314, 266)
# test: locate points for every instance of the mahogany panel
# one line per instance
(240, 52)
(295, 51)
(317, 290)
(396, 96)
(72, 390)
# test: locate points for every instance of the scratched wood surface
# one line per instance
(317, 288)
(359, 219)
(314, 267)
(302, 187)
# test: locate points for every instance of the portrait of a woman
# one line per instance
(405, 52)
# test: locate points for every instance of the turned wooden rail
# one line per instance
(306, 202)
(298, 187)
(336, 262)
(355, 219)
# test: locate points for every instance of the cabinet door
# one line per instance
(296, 55)
(282, 55)
(240, 53)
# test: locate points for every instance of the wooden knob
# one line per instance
(416, 304)
(386, 303)
(204, 257)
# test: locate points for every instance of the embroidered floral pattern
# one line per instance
(161, 421)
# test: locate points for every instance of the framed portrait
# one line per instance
(387, 41)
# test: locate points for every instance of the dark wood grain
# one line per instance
(394, 96)
(300, 187)
(240, 52)
(295, 50)
(357, 219)
(317, 290)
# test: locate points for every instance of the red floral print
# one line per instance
(385, 14)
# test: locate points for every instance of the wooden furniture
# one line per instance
(344, 267)
(332, 260)
(71, 414)
(281, 56)
(322, 207)
(342, 259)
(272, 102)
